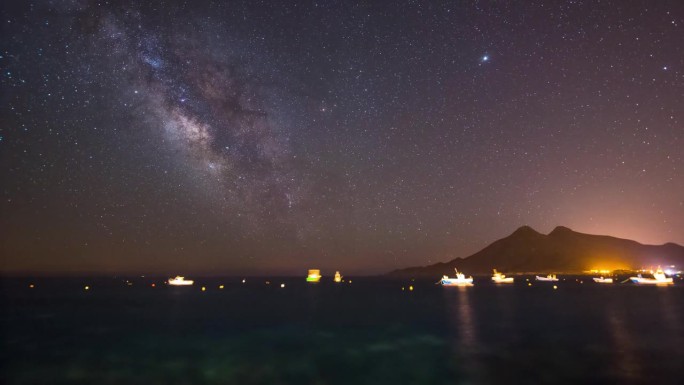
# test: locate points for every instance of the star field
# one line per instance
(270, 137)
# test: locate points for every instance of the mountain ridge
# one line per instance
(561, 250)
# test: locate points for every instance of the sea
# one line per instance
(366, 330)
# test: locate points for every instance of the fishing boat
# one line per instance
(500, 278)
(180, 281)
(659, 278)
(548, 278)
(314, 275)
(338, 277)
(460, 280)
(603, 280)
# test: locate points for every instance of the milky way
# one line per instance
(240, 137)
(215, 110)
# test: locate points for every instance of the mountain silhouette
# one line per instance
(562, 250)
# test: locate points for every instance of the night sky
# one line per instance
(271, 137)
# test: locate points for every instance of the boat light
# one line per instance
(555, 287)
(221, 287)
(86, 288)
(282, 285)
(410, 288)
(31, 286)
(204, 288)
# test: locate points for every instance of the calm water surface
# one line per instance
(367, 332)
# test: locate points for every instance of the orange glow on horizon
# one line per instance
(607, 263)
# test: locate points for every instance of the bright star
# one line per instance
(485, 58)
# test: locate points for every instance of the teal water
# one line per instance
(367, 332)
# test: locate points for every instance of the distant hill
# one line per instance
(562, 250)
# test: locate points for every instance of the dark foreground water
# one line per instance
(367, 332)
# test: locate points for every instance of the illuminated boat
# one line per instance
(603, 280)
(180, 281)
(659, 278)
(548, 278)
(500, 278)
(314, 275)
(460, 280)
(338, 277)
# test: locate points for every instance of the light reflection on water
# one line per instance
(619, 333)
(646, 331)
(467, 330)
(462, 321)
(670, 313)
(626, 360)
